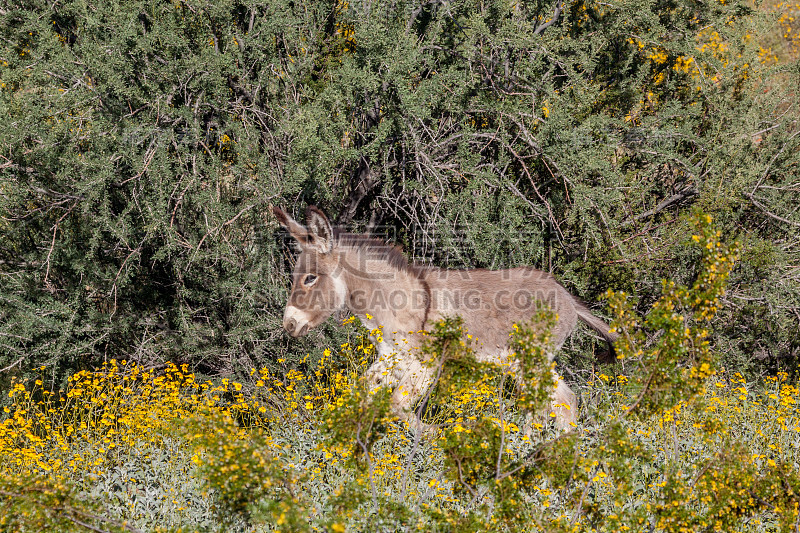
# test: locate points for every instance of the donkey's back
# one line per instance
(489, 301)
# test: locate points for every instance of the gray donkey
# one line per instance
(375, 282)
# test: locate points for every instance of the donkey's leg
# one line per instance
(381, 372)
(563, 401)
(564, 404)
(408, 378)
(411, 386)
(529, 415)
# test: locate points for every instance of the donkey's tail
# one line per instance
(600, 327)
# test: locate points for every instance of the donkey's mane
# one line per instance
(391, 253)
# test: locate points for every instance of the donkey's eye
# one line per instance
(309, 280)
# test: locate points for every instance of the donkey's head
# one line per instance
(318, 287)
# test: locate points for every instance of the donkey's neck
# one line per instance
(381, 294)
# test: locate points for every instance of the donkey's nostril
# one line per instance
(290, 324)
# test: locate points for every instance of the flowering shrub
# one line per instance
(665, 440)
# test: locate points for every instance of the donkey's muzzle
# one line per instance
(293, 328)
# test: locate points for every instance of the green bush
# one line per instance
(144, 142)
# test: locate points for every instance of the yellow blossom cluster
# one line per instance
(120, 405)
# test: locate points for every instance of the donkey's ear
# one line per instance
(319, 229)
(296, 230)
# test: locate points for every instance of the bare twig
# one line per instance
(12, 365)
(579, 505)
(369, 466)
(764, 209)
(665, 203)
(53, 243)
(464, 483)
(553, 19)
(416, 12)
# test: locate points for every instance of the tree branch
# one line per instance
(764, 210)
(675, 198)
(553, 19)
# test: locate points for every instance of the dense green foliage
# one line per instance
(40, 504)
(144, 141)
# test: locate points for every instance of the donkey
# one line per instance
(375, 282)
